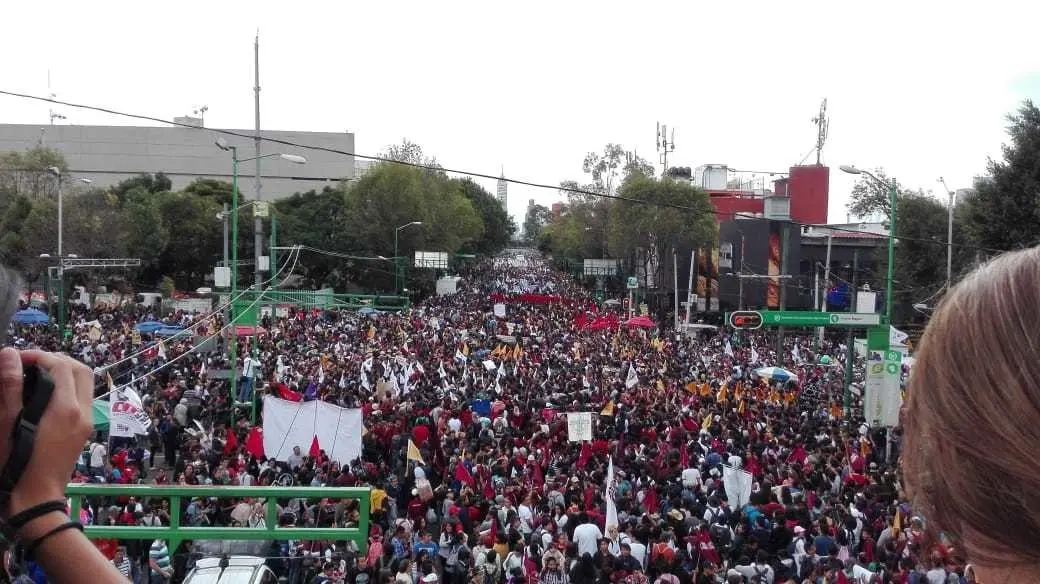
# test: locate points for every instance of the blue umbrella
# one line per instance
(777, 374)
(149, 326)
(30, 316)
(169, 331)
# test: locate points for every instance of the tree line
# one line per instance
(178, 234)
(1000, 213)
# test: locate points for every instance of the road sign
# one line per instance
(633, 282)
(824, 319)
(745, 319)
(882, 397)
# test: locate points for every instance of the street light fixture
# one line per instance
(233, 352)
(397, 265)
(892, 192)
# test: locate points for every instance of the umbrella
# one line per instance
(640, 322)
(30, 316)
(368, 310)
(825, 360)
(149, 326)
(777, 374)
(169, 331)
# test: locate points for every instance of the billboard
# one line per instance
(431, 259)
(773, 285)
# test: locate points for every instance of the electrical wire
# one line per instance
(202, 319)
(717, 213)
(192, 350)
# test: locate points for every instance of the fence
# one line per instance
(175, 533)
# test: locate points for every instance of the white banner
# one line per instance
(500, 310)
(882, 397)
(579, 426)
(125, 418)
(289, 424)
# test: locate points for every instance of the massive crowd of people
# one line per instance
(473, 473)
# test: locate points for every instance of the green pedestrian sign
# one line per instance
(820, 319)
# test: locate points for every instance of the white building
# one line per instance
(108, 155)
(501, 191)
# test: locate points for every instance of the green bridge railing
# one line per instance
(176, 533)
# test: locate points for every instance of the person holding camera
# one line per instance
(49, 537)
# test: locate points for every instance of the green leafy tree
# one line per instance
(194, 243)
(410, 153)
(654, 225)
(27, 172)
(316, 219)
(498, 225)
(872, 199)
(537, 217)
(141, 185)
(1005, 212)
(217, 190)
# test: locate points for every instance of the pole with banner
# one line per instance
(882, 395)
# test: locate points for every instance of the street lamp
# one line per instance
(54, 170)
(892, 192)
(397, 267)
(235, 160)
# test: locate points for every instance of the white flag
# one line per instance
(442, 372)
(729, 349)
(633, 377)
(608, 495)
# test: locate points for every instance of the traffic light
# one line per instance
(746, 319)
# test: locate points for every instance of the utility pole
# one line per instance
(850, 354)
(784, 233)
(664, 145)
(826, 282)
(675, 283)
(740, 280)
(949, 233)
(258, 223)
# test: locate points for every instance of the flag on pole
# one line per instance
(414, 454)
(608, 495)
(633, 378)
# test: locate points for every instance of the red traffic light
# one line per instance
(747, 319)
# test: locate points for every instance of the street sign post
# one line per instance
(824, 319)
(882, 396)
(633, 282)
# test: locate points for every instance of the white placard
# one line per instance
(579, 426)
(500, 310)
(882, 397)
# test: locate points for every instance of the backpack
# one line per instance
(757, 577)
(720, 535)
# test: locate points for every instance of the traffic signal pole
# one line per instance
(850, 355)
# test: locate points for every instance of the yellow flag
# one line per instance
(660, 385)
(706, 424)
(413, 453)
(608, 410)
(740, 408)
(111, 384)
(691, 387)
(897, 524)
(371, 332)
(465, 349)
(364, 430)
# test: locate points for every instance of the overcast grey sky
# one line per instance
(918, 87)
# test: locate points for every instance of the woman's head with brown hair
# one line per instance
(971, 460)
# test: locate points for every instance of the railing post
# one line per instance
(271, 513)
(175, 524)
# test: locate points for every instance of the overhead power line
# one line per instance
(250, 136)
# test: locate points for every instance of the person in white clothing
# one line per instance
(587, 536)
(98, 457)
(249, 369)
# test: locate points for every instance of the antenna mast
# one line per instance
(664, 145)
(823, 124)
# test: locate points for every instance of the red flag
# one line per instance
(650, 502)
(232, 443)
(315, 450)
(684, 456)
(288, 394)
(538, 476)
(255, 442)
(463, 475)
(494, 530)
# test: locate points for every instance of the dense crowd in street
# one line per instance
(474, 476)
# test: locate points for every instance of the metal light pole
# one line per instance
(61, 250)
(397, 266)
(233, 349)
(892, 195)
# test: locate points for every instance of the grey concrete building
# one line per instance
(110, 154)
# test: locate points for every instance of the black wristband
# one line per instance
(22, 519)
(30, 550)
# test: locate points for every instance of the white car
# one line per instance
(231, 570)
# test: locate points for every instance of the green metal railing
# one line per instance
(176, 533)
(328, 300)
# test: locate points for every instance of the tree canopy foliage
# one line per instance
(178, 234)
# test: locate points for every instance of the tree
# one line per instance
(218, 190)
(654, 224)
(1005, 213)
(498, 225)
(870, 198)
(608, 170)
(28, 173)
(409, 153)
(316, 219)
(194, 244)
(538, 216)
(141, 185)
